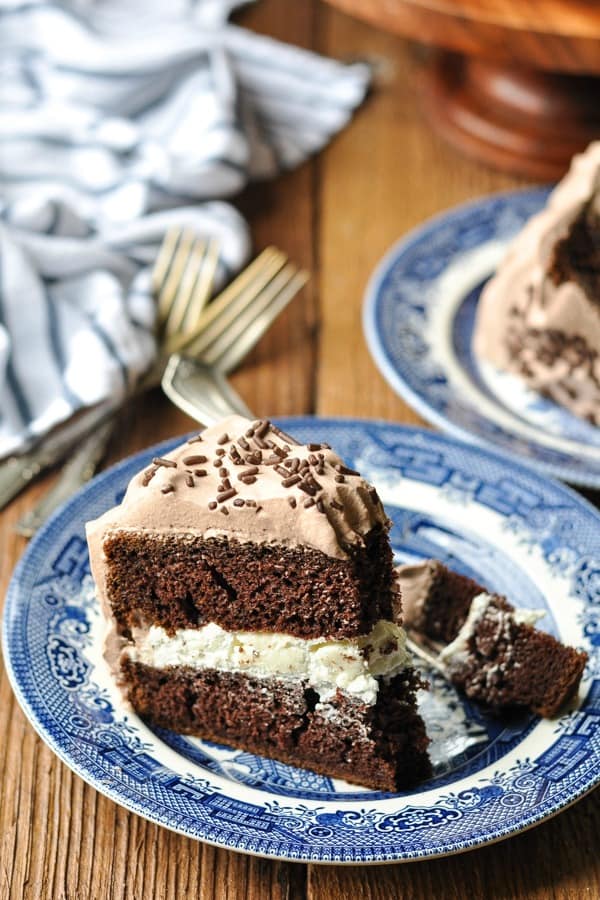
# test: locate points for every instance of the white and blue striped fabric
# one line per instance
(118, 120)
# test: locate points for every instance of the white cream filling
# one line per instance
(457, 650)
(351, 666)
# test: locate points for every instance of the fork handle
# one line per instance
(75, 473)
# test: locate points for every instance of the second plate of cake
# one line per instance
(498, 523)
(419, 320)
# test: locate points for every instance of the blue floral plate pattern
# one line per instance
(419, 315)
(520, 534)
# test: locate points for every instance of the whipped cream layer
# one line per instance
(351, 666)
(543, 328)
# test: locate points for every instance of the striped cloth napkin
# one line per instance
(119, 120)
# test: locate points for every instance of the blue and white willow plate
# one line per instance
(418, 319)
(500, 522)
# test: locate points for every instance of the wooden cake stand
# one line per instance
(514, 82)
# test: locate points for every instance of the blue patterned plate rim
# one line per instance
(422, 375)
(524, 774)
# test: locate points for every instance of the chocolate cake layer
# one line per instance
(442, 601)
(511, 664)
(381, 746)
(179, 581)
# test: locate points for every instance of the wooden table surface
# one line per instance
(336, 215)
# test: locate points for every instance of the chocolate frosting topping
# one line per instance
(258, 485)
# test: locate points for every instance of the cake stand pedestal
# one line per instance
(512, 82)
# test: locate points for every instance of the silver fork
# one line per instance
(255, 298)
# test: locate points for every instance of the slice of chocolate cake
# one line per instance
(487, 648)
(248, 584)
(539, 316)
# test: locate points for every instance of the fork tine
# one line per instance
(163, 260)
(173, 276)
(225, 310)
(203, 287)
(233, 344)
(192, 267)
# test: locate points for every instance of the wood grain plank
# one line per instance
(335, 215)
(382, 177)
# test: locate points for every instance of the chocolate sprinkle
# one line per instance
(253, 470)
(320, 506)
(219, 451)
(308, 503)
(312, 459)
(189, 480)
(291, 480)
(344, 470)
(200, 473)
(259, 442)
(314, 447)
(243, 443)
(217, 463)
(250, 502)
(168, 489)
(195, 460)
(308, 488)
(337, 505)
(262, 429)
(167, 463)
(223, 439)
(248, 479)
(238, 501)
(224, 510)
(195, 440)
(292, 502)
(212, 504)
(284, 436)
(149, 475)
(340, 479)
(223, 472)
